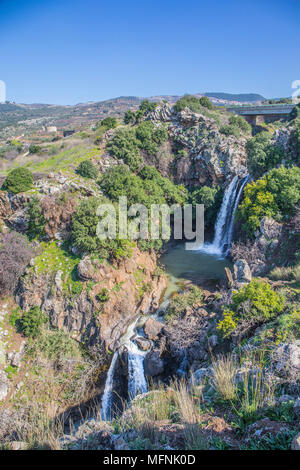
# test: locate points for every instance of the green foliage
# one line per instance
(230, 129)
(129, 117)
(32, 321)
(15, 316)
(180, 302)
(241, 123)
(54, 345)
(211, 199)
(37, 220)
(295, 135)
(34, 148)
(87, 169)
(84, 234)
(150, 137)
(262, 155)
(206, 103)
(18, 180)
(188, 101)
(253, 304)
(103, 295)
(125, 146)
(109, 122)
(275, 195)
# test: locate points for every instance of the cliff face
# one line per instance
(210, 157)
(132, 289)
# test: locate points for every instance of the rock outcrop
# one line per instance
(84, 315)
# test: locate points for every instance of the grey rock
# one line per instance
(152, 328)
(86, 270)
(296, 443)
(242, 272)
(153, 364)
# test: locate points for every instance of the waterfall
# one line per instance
(107, 397)
(136, 377)
(237, 200)
(225, 219)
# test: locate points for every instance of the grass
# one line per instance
(224, 372)
(56, 258)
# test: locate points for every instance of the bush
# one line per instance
(34, 148)
(129, 117)
(32, 321)
(15, 254)
(253, 304)
(103, 295)
(87, 169)
(125, 146)
(180, 302)
(109, 122)
(84, 233)
(241, 123)
(230, 129)
(37, 221)
(262, 155)
(18, 180)
(206, 103)
(54, 345)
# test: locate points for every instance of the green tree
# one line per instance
(18, 180)
(262, 154)
(32, 321)
(129, 117)
(125, 146)
(205, 101)
(87, 169)
(37, 220)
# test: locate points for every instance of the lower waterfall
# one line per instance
(136, 376)
(107, 397)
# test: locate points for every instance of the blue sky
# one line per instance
(72, 51)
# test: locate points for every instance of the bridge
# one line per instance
(262, 113)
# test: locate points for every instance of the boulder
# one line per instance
(242, 272)
(286, 360)
(296, 443)
(266, 426)
(200, 375)
(270, 228)
(153, 364)
(85, 269)
(3, 385)
(152, 328)
(143, 343)
(212, 341)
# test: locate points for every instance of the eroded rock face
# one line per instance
(286, 360)
(153, 364)
(211, 157)
(152, 328)
(242, 272)
(84, 315)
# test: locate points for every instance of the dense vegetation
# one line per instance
(18, 180)
(275, 195)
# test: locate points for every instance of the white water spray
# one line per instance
(107, 397)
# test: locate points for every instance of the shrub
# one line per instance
(262, 154)
(125, 146)
(241, 123)
(34, 148)
(37, 221)
(253, 304)
(129, 117)
(180, 302)
(54, 345)
(18, 180)
(205, 102)
(15, 254)
(32, 321)
(84, 233)
(87, 169)
(103, 295)
(230, 129)
(109, 122)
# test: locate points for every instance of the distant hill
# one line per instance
(18, 119)
(240, 97)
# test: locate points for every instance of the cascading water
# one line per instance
(225, 219)
(107, 397)
(136, 377)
